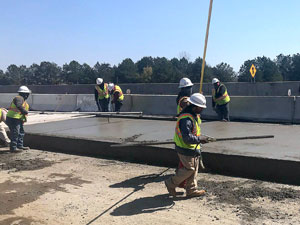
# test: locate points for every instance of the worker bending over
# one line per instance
(186, 88)
(16, 117)
(3, 135)
(187, 145)
(101, 95)
(117, 96)
(220, 100)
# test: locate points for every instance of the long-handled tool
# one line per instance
(210, 139)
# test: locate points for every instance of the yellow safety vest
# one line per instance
(0, 115)
(196, 131)
(102, 93)
(118, 89)
(179, 109)
(15, 113)
(223, 101)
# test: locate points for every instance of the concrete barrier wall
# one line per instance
(259, 109)
(234, 88)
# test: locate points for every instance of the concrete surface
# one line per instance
(275, 159)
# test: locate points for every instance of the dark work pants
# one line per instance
(104, 104)
(223, 111)
(118, 106)
(16, 133)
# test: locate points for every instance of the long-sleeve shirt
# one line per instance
(18, 101)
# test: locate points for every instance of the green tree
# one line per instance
(88, 75)
(3, 78)
(72, 72)
(126, 72)
(162, 70)
(15, 74)
(284, 64)
(104, 71)
(295, 67)
(266, 70)
(194, 71)
(224, 72)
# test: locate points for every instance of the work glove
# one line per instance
(204, 139)
(198, 152)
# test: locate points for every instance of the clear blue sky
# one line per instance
(111, 30)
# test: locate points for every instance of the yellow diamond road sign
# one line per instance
(252, 70)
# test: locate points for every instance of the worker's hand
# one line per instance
(204, 139)
(198, 152)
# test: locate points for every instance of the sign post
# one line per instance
(253, 71)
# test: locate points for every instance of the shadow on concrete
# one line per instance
(18, 220)
(139, 182)
(145, 205)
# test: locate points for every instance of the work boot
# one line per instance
(171, 191)
(195, 193)
(23, 148)
(14, 150)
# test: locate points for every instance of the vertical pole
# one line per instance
(205, 45)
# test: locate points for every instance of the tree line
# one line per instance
(152, 70)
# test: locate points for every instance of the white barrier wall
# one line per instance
(260, 109)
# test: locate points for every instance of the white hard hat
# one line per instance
(215, 80)
(99, 81)
(198, 100)
(111, 86)
(185, 82)
(24, 89)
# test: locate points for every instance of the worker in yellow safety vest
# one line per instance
(187, 140)
(16, 117)
(186, 88)
(101, 95)
(3, 135)
(220, 100)
(117, 96)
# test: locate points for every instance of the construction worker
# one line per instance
(3, 135)
(101, 95)
(187, 145)
(117, 96)
(186, 88)
(16, 117)
(220, 100)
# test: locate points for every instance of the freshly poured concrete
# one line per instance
(285, 145)
(276, 159)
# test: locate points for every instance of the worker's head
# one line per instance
(186, 86)
(185, 82)
(215, 82)
(111, 86)
(24, 92)
(198, 102)
(99, 81)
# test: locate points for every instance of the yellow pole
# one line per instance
(205, 46)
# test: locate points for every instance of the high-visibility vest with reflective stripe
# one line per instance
(118, 89)
(179, 109)
(196, 131)
(0, 114)
(15, 113)
(102, 93)
(223, 101)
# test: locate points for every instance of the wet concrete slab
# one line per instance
(276, 159)
(285, 145)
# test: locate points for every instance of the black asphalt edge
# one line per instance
(281, 171)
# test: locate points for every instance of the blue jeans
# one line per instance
(16, 133)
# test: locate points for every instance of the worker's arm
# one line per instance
(115, 96)
(96, 95)
(219, 95)
(18, 101)
(186, 128)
